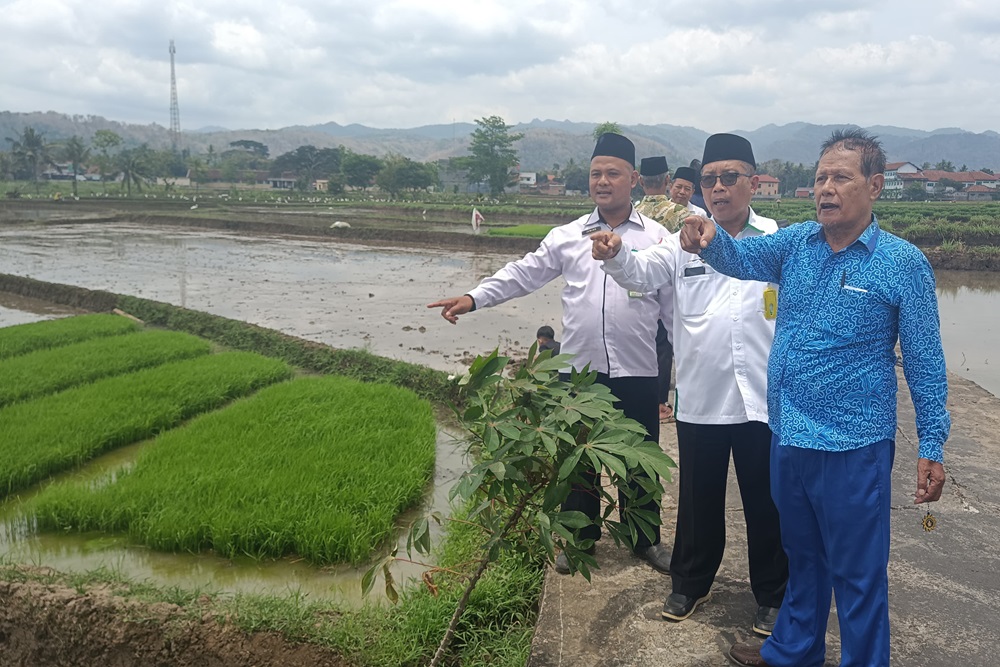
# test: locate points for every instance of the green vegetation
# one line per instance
(358, 364)
(530, 231)
(495, 631)
(493, 155)
(535, 436)
(53, 333)
(318, 467)
(287, 437)
(57, 432)
(51, 370)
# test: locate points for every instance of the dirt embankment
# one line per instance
(54, 626)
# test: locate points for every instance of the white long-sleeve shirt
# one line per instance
(605, 325)
(720, 334)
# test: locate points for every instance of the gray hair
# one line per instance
(865, 145)
(654, 181)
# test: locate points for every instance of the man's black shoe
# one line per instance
(657, 556)
(562, 563)
(678, 607)
(746, 654)
(763, 622)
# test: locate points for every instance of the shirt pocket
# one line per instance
(857, 316)
(695, 289)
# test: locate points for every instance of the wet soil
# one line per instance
(55, 626)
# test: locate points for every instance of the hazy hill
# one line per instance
(545, 142)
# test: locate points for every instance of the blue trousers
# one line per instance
(834, 513)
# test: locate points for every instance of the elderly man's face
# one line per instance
(729, 204)
(681, 191)
(844, 197)
(611, 183)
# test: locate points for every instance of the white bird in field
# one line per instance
(339, 224)
(194, 207)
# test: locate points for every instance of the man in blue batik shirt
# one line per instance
(848, 292)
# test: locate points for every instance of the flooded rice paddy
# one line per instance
(344, 295)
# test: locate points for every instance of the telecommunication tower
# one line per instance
(175, 111)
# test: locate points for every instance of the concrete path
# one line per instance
(944, 586)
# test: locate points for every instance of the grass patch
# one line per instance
(529, 231)
(51, 370)
(60, 431)
(319, 467)
(358, 364)
(24, 338)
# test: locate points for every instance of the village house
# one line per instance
(768, 187)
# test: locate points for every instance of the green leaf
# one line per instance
(569, 465)
(498, 469)
(390, 585)
(573, 519)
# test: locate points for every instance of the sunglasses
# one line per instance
(728, 179)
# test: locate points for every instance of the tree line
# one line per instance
(31, 157)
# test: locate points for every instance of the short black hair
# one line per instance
(857, 140)
(545, 332)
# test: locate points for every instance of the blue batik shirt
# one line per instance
(831, 375)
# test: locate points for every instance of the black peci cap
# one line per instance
(653, 166)
(686, 174)
(727, 147)
(615, 145)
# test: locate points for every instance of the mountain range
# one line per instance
(545, 143)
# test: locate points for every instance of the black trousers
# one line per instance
(637, 399)
(664, 362)
(700, 539)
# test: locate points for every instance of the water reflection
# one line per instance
(970, 324)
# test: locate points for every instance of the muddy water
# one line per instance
(344, 295)
(347, 296)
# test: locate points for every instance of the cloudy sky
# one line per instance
(714, 65)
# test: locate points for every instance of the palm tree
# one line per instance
(106, 141)
(31, 153)
(77, 154)
(135, 167)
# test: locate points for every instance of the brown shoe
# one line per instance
(746, 654)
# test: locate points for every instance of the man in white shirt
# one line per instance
(683, 187)
(604, 325)
(722, 331)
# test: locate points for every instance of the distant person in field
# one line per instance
(654, 177)
(611, 329)
(546, 338)
(849, 291)
(683, 187)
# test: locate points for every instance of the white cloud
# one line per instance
(401, 63)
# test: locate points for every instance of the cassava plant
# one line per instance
(533, 436)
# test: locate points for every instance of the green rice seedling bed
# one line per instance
(25, 338)
(319, 467)
(530, 231)
(54, 433)
(51, 370)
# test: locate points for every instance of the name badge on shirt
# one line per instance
(632, 294)
(770, 302)
(694, 271)
(593, 229)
